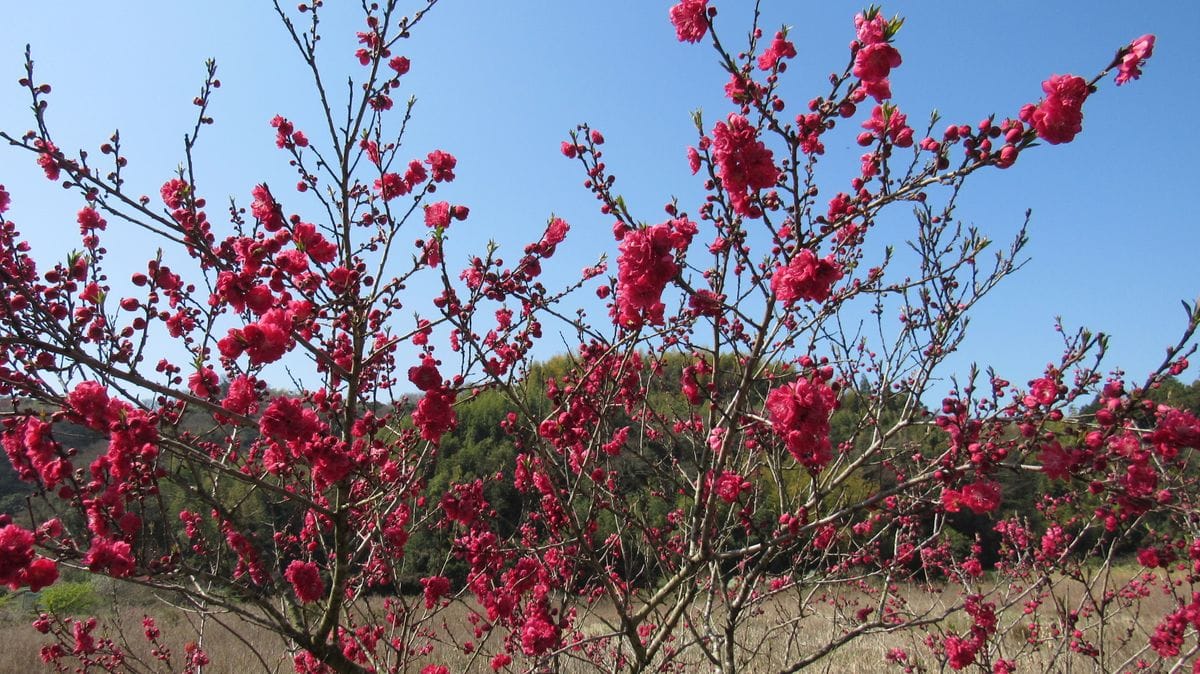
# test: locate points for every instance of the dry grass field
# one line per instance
(237, 647)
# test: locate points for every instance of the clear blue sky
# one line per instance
(1115, 236)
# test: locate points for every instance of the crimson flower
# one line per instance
(1059, 116)
(689, 20)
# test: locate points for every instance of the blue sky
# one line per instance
(1114, 229)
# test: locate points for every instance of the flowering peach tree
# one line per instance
(738, 466)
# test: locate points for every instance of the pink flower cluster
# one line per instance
(730, 485)
(1170, 634)
(799, 412)
(645, 264)
(961, 652)
(689, 20)
(435, 587)
(981, 496)
(780, 49)
(805, 277)
(744, 163)
(434, 415)
(1059, 116)
(887, 122)
(439, 214)
(106, 555)
(18, 565)
(268, 339)
(286, 135)
(1133, 57)
(391, 185)
(875, 58)
(33, 451)
(118, 476)
(264, 208)
(306, 581)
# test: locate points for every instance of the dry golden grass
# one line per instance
(237, 647)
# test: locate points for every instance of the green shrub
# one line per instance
(68, 598)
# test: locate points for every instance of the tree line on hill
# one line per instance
(480, 449)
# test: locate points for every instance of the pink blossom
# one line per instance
(556, 233)
(1059, 116)
(1176, 430)
(888, 122)
(392, 185)
(441, 165)
(464, 503)
(289, 419)
(291, 262)
(425, 376)
(306, 581)
(961, 652)
(381, 102)
(972, 567)
(808, 131)
(400, 64)
(41, 573)
(109, 556)
(706, 303)
(265, 209)
(264, 342)
(312, 242)
(90, 403)
(284, 129)
(871, 28)
(437, 215)
(5, 200)
(539, 634)
(1042, 391)
(16, 553)
(340, 279)
(743, 90)
(730, 485)
(203, 383)
(744, 162)
(46, 158)
(872, 64)
(34, 454)
(415, 173)
(435, 587)
(645, 265)
(1057, 462)
(1133, 57)
(242, 397)
(434, 415)
(81, 631)
(982, 496)
(780, 49)
(805, 277)
(689, 387)
(89, 220)
(799, 413)
(689, 20)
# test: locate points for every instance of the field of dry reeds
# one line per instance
(777, 636)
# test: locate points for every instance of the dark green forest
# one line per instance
(479, 448)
